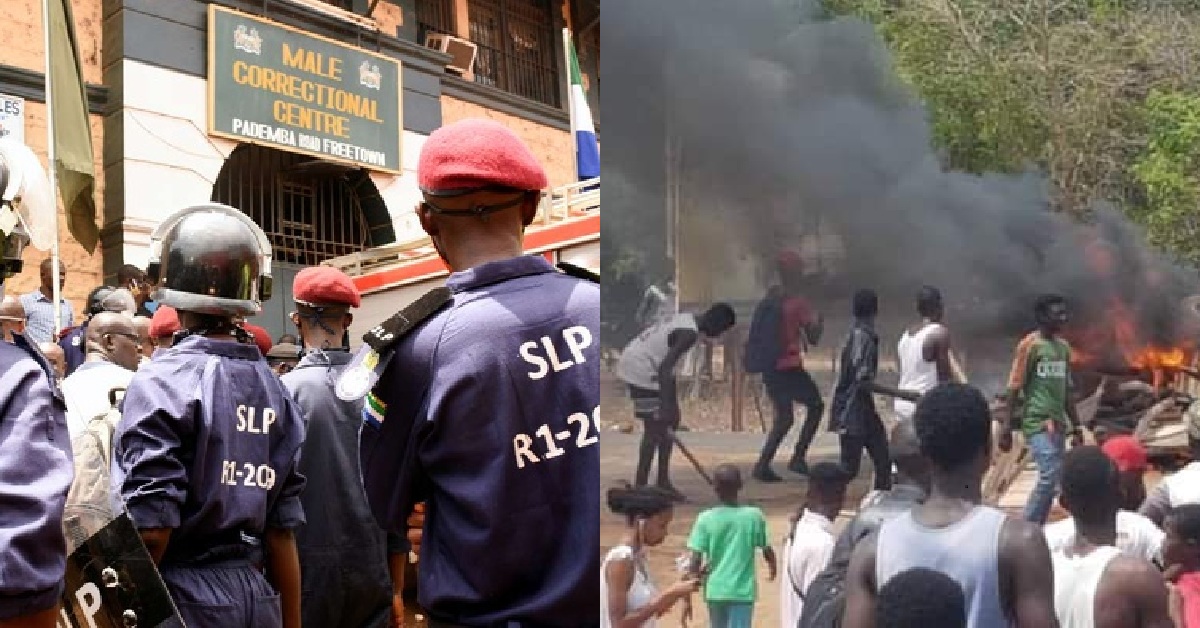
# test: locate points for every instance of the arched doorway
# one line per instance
(311, 210)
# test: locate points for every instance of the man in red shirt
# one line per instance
(788, 383)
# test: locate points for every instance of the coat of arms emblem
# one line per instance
(369, 75)
(247, 40)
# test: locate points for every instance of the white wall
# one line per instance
(380, 306)
(171, 162)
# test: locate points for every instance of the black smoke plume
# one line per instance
(786, 113)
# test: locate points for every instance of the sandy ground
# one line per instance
(711, 441)
(778, 501)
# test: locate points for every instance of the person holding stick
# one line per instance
(648, 367)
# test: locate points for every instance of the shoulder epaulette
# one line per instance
(364, 370)
(401, 323)
(579, 272)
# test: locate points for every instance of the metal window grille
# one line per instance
(434, 16)
(307, 207)
(516, 47)
(346, 5)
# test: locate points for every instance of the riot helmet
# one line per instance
(23, 191)
(210, 259)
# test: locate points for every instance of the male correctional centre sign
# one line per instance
(274, 85)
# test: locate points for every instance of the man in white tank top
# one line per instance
(923, 351)
(1095, 584)
(1001, 563)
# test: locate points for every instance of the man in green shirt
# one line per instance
(726, 537)
(1039, 400)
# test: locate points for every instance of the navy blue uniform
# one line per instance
(343, 551)
(492, 407)
(36, 471)
(74, 346)
(207, 446)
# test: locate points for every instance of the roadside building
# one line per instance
(308, 115)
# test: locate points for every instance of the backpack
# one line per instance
(824, 601)
(763, 346)
(90, 502)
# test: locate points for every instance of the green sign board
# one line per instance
(274, 85)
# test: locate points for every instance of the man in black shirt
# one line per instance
(853, 416)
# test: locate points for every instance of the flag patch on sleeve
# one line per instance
(374, 410)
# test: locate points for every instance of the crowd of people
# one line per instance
(286, 484)
(928, 552)
(1122, 558)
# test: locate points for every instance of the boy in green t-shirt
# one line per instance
(1039, 400)
(725, 537)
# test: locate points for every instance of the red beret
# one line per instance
(165, 322)
(1126, 452)
(324, 285)
(789, 260)
(476, 153)
(261, 337)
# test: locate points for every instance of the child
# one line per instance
(1181, 553)
(725, 537)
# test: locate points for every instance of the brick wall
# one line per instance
(554, 148)
(21, 30)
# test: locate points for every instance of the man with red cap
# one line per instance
(262, 337)
(1136, 535)
(163, 326)
(344, 555)
(783, 328)
(486, 399)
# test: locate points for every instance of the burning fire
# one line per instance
(1114, 337)
(1118, 343)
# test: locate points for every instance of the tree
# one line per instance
(1167, 170)
(1062, 85)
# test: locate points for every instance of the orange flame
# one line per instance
(1117, 336)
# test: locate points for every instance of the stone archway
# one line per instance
(311, 210)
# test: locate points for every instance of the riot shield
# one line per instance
(112, 582)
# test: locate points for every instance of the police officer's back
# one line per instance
(344, 558)
(35, 457)
(487, 407)
(205, 453)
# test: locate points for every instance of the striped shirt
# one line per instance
(39, 317)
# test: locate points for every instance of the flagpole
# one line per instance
(570, 103)
(56, 291)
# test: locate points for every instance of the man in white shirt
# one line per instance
(807, 549)
(1136, 534)
(1096, 584)
(1182, 487)
(113, 353)
(923, 353)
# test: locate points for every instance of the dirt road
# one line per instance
(778, 501)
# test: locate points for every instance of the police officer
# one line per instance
(487, 401)
(205, 453)
(344, 557)
(35, 457)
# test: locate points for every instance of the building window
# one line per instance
(434, 16)
(516, 47)
(311, 210)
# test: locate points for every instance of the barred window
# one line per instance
(434, 16)
(310, 210)
(517, 51)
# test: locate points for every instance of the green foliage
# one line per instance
(1099, 94)
(1167, 170)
